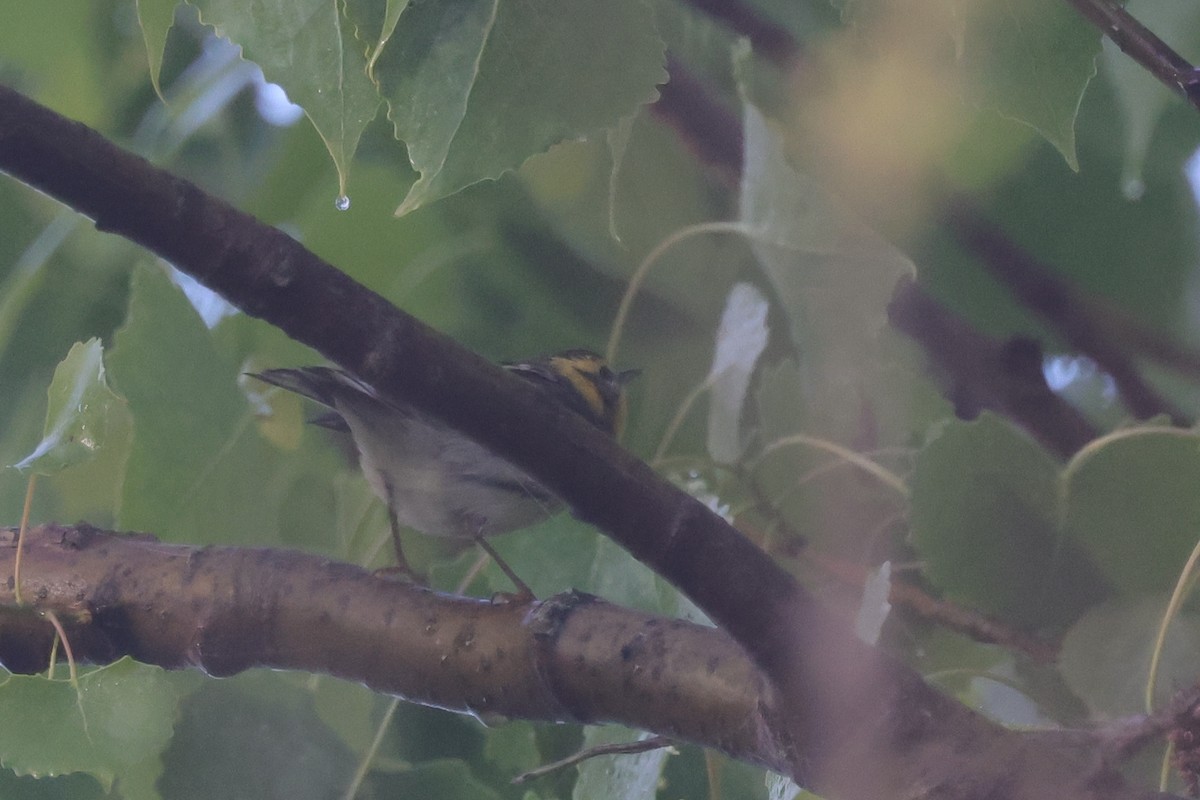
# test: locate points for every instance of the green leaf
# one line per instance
(1029, 60)
(118, 721)
(512, 748)
(251, 737)
(1134, 504)
(155, 17)
(551, 557)
(1004, 528)
(351, 710)
(1105, 657)
(77, 413)
(832, 275)
(441, 778)
(837, 505)
(307, 48)
(476, 87)
(198, 471)
(986, 518)
(76, 786)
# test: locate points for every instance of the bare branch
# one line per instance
(571, 658)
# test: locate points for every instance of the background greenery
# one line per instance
(1077, 154)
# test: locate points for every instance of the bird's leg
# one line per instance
(401, 562)
(524, 593)
(402, 567)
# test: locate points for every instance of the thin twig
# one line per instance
(616, 749)
(72, 669)
(21, 536)
(1143, 46)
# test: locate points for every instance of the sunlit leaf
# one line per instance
(741, 339)
(874, 609)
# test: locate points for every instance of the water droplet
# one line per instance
(342, 203)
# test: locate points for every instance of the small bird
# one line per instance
(439, 481)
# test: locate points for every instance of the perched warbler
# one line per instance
(437, 480)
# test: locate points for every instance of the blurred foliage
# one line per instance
(534, 182)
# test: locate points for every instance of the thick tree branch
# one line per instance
(572, 658)
(854, 722)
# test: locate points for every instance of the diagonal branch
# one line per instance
(1063, 307)
(1143, 46)
(1003, 377)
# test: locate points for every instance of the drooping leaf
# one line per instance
(155, 18)
(79, 404)
(1031, 61)
(476, 87)
(306, 47)
(1026, 59)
